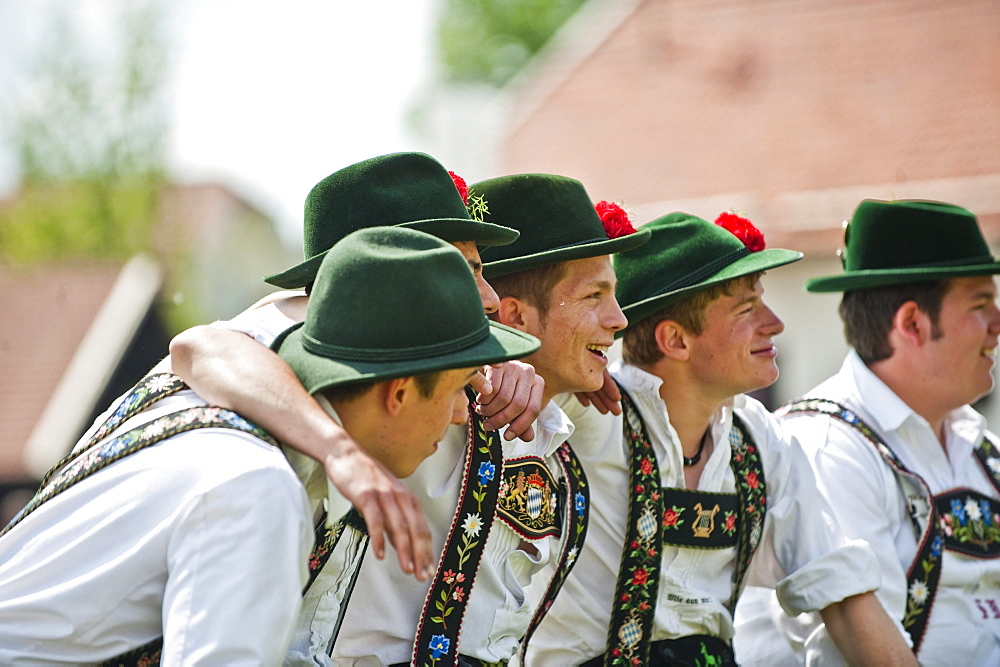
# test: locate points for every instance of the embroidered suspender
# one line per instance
(577, 517)
(634, 605)
(447, 599)
(83, 463)
(650, 525)
(751, 491)
(924, 573)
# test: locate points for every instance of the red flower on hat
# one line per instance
(615, 219)
(742, 229)
(463, 189)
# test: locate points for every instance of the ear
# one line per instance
(673, 340)
(910, 325)
(396, 392)
(517, 313)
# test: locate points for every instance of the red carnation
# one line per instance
(742, 229)
(615, 219)
(463, 189)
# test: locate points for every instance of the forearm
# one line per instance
(233, 371)
(865, 634)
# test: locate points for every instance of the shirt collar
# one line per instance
(892, 411)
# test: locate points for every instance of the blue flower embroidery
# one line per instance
(439, 646)
(486, 471)
(958, 511)
(580, 504)
(936, 547)
(984, 507)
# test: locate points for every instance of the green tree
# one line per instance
(88, 129)
(488, 41)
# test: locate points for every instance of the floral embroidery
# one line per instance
(971, 521)
(671, 517)
(439, 646)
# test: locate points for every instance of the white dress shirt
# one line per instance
(798, 552)
(384, 613)
(200, 539)
(869, 503)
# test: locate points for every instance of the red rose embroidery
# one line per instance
(615, 219)
(730, 522)
(742, 229)
(647, 466)
(640, 577)
(463, 189)
(670, 518)
(752, 480)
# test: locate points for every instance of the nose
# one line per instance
(460, 409)
(772, 324)
(491, 302)
(994, 323)
(614, 318)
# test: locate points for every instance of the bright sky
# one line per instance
(267, 98)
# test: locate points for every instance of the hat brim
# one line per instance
(318, 372)
(452, 230)
(595, 248)
(886, 277)
(752, 263)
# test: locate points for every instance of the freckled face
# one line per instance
(578, 328)
(735, 352)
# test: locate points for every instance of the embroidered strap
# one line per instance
(690, 519)
(631, 624)
(577, 516)
(924, 573)
(447, 599)
(751, 492)
(970, 522)
(84, 463)
(989, 459)
(528, 500)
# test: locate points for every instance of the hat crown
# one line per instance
(374, 275)
(555, 216)
(387, 190)
(911, 234)
(682, 251)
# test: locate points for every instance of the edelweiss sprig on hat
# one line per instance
(686, 254)
(557, 221)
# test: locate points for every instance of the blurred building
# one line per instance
(790, 112)
(75, 335)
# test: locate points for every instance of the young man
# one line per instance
(229, 369)
(178, 533)
(906, 463)
(556, 283)
(696, 477)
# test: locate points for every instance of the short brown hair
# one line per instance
(868, 313)
(345, 393)
(533, 286)
(639, 346)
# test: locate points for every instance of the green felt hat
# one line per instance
(686, 254)
(555, 217)
(390, 302)
(407, 189)
(908, 241)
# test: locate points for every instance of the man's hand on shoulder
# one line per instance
(510, 394)
(389, 509)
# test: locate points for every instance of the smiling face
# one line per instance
(578, 327)
(735, 352)
(961, 358)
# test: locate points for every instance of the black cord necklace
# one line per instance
(688, 462)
